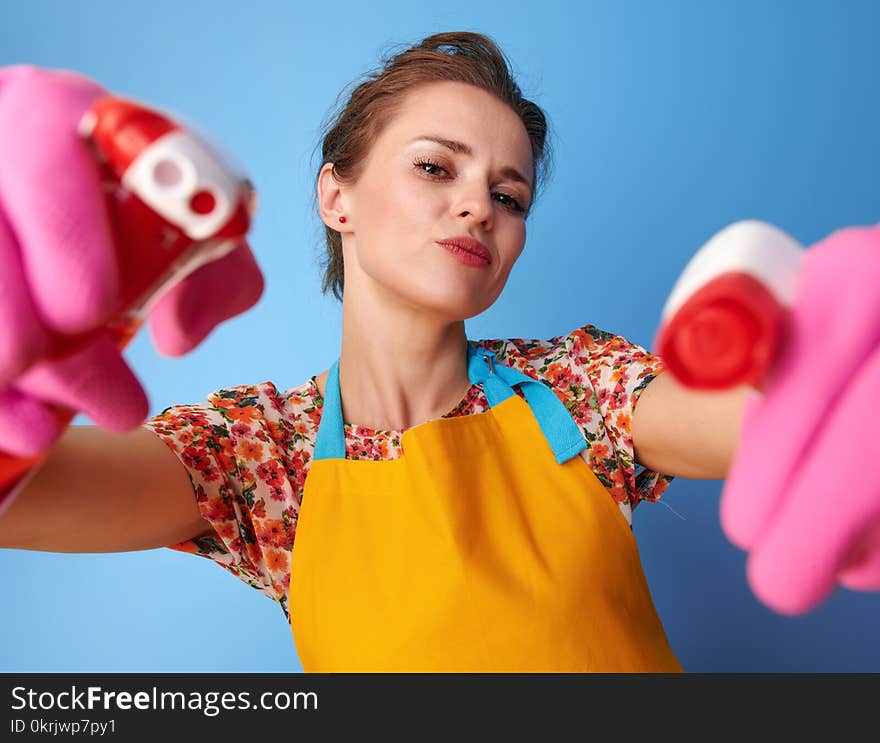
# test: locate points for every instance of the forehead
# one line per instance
(466, 113)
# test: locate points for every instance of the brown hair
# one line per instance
(460, 56)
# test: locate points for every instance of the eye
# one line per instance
(429, 168)
(425, 164)
(511, 202)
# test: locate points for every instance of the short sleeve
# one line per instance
(614, 373)
(239, 452)
(599, 376)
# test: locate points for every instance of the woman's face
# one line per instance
(414, 191)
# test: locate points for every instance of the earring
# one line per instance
(342, 219)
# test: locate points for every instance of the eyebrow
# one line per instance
(463, 149)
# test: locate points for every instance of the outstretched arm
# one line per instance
(687, 433)
(100, 491)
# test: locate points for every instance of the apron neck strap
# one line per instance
(330, 441)
(557, 425)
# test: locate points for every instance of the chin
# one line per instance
(454, 302)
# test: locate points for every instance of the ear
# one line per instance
(330, 198)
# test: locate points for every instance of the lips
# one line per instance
(470, 245)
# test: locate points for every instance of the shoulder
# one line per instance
(247, 433)
(599, 375)
(544, 359)
(573, 362)
(241, 404)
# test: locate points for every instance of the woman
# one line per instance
(428, 502)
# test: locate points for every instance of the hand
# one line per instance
(58, 271)
(802, 495)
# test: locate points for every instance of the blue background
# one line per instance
(671, 120)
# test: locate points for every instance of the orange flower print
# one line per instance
(559, 375)
(582, 339)
(271, 533)
(599, 451)
(223, 402)
(619, 375)
(276, 430)
(249, 450)
(276, 560)
(246, 414)
(385, 450)
(532, 353)
(280, 432)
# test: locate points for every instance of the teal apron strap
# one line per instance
(559, 428)
(330, 442)
(557, 425)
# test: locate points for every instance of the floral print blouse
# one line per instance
(247, 449)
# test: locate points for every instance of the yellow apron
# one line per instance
(488, 546)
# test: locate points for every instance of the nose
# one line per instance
(474, 201)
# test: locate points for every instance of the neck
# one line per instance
(399, 366)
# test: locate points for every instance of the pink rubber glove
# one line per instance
(58, 273)
(803, 495)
